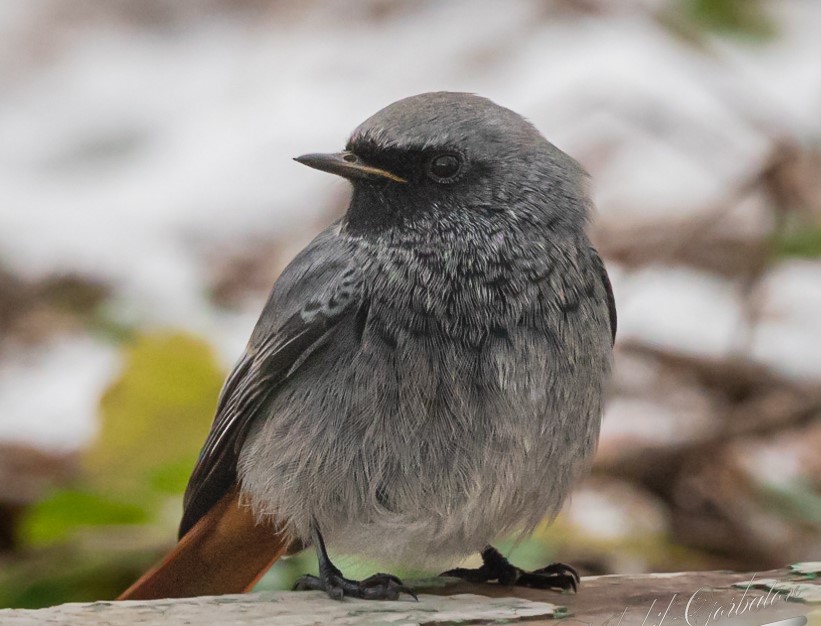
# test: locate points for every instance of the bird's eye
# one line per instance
(444, 168)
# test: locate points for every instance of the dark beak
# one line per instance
(347, 165)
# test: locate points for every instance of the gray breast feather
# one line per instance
(381, 437)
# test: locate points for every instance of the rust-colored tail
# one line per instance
(225, 552)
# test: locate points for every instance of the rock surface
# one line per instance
(693, 598)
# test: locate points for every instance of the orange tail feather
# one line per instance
(225, 552)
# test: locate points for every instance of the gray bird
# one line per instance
(427, 374)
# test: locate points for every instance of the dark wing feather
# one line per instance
(598, 264)
(316, 291)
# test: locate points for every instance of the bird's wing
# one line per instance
(598, 265)
(318, 289)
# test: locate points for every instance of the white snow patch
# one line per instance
(681, 309)
(49, 397)
(788, 337)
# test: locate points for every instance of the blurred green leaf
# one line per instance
(171, 478)
(65, 573)
(156, 416)
(804, 242)
(55, 518)
(796, 500)
(742, 17)
(154, 419)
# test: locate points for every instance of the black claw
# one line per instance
(477, 575)
(332, 582)
(387, 583)
(380, 579)
(496, 567)
(563, 582)
(376, 587)
(561, 569)
(307, 583)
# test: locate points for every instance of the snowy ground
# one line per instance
(138, 144)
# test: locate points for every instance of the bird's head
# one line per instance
(437, 159)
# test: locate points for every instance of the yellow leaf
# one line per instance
(157, 415)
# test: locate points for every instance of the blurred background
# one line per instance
(148, 201)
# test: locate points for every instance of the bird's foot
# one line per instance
(496, 567)
(376, 587)
(332, 582)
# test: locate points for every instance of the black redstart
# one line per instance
(427, 374)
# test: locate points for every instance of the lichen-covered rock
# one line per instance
(290, 609)
(693, 598)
